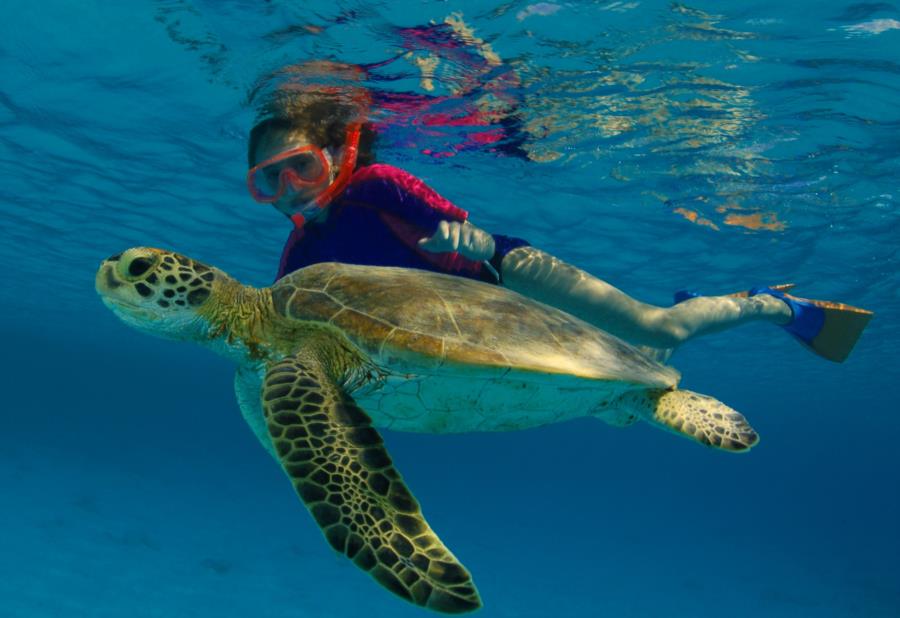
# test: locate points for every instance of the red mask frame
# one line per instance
(289, 176)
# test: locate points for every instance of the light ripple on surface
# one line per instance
(670, 146)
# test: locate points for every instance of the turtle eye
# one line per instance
(136, 264)
(139, 266)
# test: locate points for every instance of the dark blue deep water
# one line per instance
(713, 146)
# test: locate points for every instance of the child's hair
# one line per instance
(323, 112)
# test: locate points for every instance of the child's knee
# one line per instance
(663, 328)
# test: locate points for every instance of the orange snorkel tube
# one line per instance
(348, 165)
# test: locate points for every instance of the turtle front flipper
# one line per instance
(342, 472)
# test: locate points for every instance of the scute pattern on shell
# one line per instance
(436, 318)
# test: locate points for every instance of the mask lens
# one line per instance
(306, 166)
(265, 181)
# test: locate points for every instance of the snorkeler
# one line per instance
(311, 156)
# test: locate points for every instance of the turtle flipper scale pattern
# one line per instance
(704, 419)
(692, 415)
(340, 469)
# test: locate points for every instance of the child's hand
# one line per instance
(471, 242)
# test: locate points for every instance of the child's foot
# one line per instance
(828, 329)
(683, 295)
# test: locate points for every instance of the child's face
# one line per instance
(296, 198)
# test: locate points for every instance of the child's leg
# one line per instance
(547, 279)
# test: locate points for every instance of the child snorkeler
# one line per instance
(311, 156)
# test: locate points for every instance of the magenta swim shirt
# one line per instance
(378, 220)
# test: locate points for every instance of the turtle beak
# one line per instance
(106, 282)
(106, 278)
(122, 299)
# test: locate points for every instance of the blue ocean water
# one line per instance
(712, 146)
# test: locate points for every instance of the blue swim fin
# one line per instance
(826, 328)
(683, 295)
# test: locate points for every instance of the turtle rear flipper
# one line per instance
(342, 472)
(698, 417)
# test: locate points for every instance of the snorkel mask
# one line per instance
(302, 167)
(287, 96)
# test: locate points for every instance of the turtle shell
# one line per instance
(434, 319)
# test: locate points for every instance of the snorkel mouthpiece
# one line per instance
(348, 164)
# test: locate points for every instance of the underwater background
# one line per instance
(713, 146)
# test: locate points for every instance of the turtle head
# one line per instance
(159, 292)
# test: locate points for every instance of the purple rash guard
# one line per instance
(378, 220)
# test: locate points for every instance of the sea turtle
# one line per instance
(332, 351)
